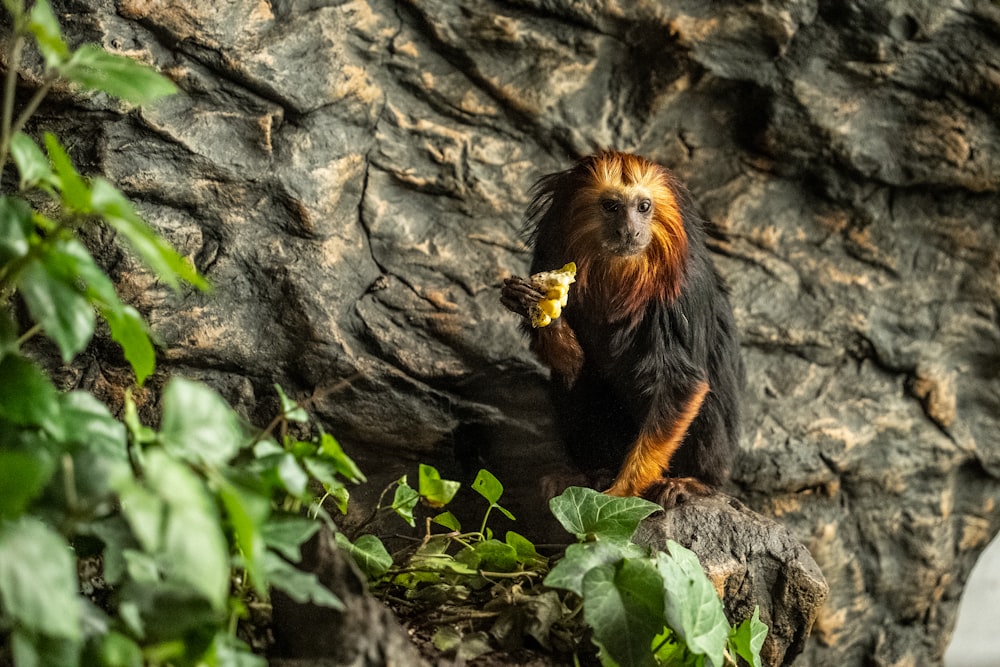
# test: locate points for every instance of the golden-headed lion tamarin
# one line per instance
(646, 369)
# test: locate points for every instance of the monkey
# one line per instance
(645, 366)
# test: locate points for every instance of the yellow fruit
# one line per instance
(551, 307)
(555, 286)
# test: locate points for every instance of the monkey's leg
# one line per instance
(650, 456)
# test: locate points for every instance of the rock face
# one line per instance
(350, 175)
(753, 563)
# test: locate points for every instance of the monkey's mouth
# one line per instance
(628, 248)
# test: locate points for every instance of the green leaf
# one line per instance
(580, 559)
(27, 397)
(591, 515)
(488, 486)
(291, 410)
(128, 329)
(247, 511)
(76, 265)
(15, 228)
(404, 500)
(525, 549)
(23, 475)
(117, 650)
(38, 585)
(692, 607)
(293, 478)
(747, 639)
(369, 553)
(31, 162)
(195, 552)
(75, 193)
(197, 425)
(228, 651)
(494, 556)
(623, 604)
(88, 422)
(302, 587)
(287, 534)
(140, 434)
(45, 28)
(330, 449)
(436, 491)
(449, 521)
(94, 68)
(164, 261)
(57, 304)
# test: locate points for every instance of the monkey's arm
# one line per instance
(555, 345)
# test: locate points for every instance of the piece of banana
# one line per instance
(555, 285)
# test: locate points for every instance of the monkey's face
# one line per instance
(626, 221)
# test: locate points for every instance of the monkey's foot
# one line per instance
(672, 491)
(519, 296)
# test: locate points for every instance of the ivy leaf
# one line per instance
(89, 423)
(23, 475)
(291, 410)
(164, 261)
(75, 193)
(31, 163)
(490, 488)
(435, 491)
(129, 330)
(287, 534)
(591, 515)
(330, 449)
(580, 559)
(75, 264)
(369, 553)
(692, 607)
(301, 586)
(45, 28)
(59, 306)
(27, 397)
(93, 68)
(747, 639)
(247, 511)
(197, 425)
(404, 500)
(15, 228)
(38, 585)
(623, 603)
(193, 544)
(449, 521)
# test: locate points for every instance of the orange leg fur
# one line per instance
(650, 455)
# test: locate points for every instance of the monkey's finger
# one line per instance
(517, 287)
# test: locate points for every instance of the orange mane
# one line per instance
(624, 285)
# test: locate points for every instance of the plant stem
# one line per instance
(10, 84)
(27, 335)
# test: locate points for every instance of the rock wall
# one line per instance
(351, 174)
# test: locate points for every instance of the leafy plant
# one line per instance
(188, 524)
(638, 608)
(644, 609)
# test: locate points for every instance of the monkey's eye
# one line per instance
(610, 205)
(644, 206)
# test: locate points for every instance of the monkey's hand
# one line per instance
(519, 296)
(541, 298)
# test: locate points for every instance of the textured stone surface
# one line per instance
(351, 175)
(753, 563)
